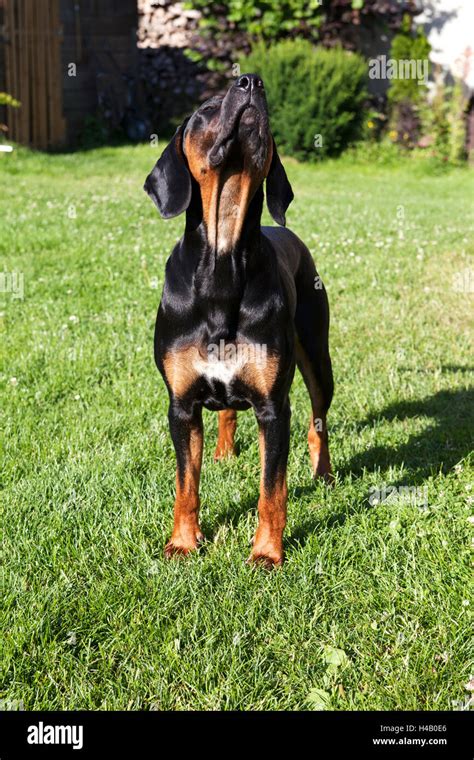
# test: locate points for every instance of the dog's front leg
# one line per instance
(274, 427)
(187, 434)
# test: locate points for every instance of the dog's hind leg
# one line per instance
(314, 363)
(317, 433)
(226, 434)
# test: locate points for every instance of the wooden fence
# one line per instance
(33, 71)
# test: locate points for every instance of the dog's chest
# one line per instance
(222, 374)
(220, 370)
(227, 365)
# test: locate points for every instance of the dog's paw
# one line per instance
(178, 546)
(321, 466)
(266, 557)
(325, 474)
(224, 452)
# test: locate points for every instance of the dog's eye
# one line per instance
(208, 109)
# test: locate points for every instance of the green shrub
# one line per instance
(444, 121)
(409, 46)
(8, 100)
(315, 96)
(457, 120)
(407, 94)
(263, 19)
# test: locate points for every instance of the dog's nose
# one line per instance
(249, 82)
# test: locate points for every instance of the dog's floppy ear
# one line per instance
(279, 192)
(169, 184)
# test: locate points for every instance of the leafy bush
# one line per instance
(407, 93)
(8, 100)
(457, 120)
(409, 46)
(444, 121)
(316, 20)
(315, 96)
(264, 19)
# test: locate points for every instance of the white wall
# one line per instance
(450, 36)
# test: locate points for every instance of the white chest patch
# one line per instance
(217, 369)
(226, 360)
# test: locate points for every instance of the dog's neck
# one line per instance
(230, 225)
(221, 278)
(225, 212)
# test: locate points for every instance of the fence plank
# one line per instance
(33, 71)
(56, 78)
(43, 100)
(23, 118)
(12, 68)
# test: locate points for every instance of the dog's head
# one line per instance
(224, 151)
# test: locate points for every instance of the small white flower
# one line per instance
(465, 602)
(74, 319)
(13, 381)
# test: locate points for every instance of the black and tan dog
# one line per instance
(241, 305)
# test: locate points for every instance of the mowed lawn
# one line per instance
(93, 617)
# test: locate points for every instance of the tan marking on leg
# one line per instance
(187, 534)
(226, 434)
(317, 434)
(268, 542)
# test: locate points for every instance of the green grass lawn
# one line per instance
(92, 615)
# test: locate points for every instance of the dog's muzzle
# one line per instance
(244, 106)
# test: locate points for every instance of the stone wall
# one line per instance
(172, 80)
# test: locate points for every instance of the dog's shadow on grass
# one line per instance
(442, 444)
(437, 448)
(446, 439)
